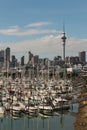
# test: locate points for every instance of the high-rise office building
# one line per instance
(82, 56)
(7, 54)
(72, 60)
(22, 60)
(1, 55)
(7, 57)
(13, 61)
(36, 58)
(30, 57)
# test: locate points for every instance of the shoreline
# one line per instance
(81, 117)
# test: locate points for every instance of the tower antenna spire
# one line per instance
(63, 27)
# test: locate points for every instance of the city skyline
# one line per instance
(36, 26)
(7, 56)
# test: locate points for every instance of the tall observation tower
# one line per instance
(64, 41)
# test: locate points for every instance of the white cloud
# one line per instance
(38, 24)
(48, 46)
(16, 31)
(9, 31)
(34, 32)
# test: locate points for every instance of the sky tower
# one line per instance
(64, 41)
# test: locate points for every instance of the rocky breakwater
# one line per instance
(81, 118)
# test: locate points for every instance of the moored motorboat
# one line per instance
(59, 104)
(45, 109)
(31, 110)
(15, 109)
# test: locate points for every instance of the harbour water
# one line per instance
(59, 121)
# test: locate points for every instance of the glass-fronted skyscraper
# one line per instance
(82, 56)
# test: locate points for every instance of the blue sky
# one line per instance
(36, 26)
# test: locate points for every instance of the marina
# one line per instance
(43, 65)
(39, 104)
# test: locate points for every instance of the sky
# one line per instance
(37, 26)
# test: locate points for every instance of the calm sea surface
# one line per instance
(60, 121)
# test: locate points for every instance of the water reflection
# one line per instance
(62, 121)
